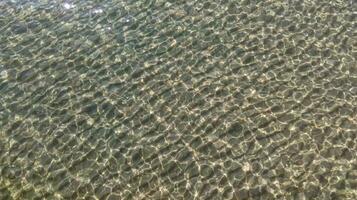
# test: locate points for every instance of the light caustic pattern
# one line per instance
(178, 99)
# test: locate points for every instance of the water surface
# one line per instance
(154, 99)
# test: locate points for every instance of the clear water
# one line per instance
(178, 99)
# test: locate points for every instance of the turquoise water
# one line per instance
(178, 99)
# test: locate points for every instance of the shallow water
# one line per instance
(178, 99)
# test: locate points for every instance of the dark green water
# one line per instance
(178, 99)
